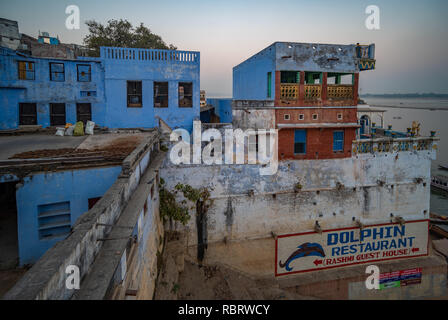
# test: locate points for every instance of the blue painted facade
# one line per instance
(43, 91)
(223, 109)
(107, 89)
(149, 66)
(250, 77)
(48, 202)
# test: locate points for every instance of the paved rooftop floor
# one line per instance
(11, 145)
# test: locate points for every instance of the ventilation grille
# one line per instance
(54, 220)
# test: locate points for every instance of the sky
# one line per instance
(411, 44)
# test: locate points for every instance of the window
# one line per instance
(301, 116)
(313, 78)
(134, 94)
(26, 70)
(57, 71)
(185, 94)
(54, 220)
(84, 72)
(315, 116)
(269, 84)
(27, 114)
(160, 94)
(290, 77)
(340, 78)
(299, 141)
(57, 114)
(286, 116)
(338, 141)
(339, 116)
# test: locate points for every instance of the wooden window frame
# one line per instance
(26, 71)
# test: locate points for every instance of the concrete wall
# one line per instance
(247, 205)
(315, 57)
(74, 186)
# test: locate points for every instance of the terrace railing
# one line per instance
(313, 91)
(289, 91)
(136, 54)
(384, 145)
(339, 91)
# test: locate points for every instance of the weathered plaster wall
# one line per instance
(253, 118)
(315, 57)
(74, 186)
(334, 192)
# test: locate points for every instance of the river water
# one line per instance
(430, 119)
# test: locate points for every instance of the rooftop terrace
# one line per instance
(22, 154)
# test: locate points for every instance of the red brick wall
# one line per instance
(324, 115)
(319, 144)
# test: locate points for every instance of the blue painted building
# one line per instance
(143, 85)
(222, 108)
(45, 91)
(48, 204)
(123, 88)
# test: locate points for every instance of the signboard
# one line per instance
(310, 251)
(400, 278)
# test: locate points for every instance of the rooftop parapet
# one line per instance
(394, 145)
(149, 55)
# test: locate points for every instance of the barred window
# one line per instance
(134, 93)
(84, 72)
(57, 71)
(160, 94)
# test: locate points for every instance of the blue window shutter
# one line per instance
(338, 141)
(300, 141)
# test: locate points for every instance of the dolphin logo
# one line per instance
(304, 250)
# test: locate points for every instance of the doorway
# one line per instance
(83, 112)
(9, 248)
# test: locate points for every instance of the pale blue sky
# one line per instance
(411, 46)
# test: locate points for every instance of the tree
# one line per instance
(121, 33)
